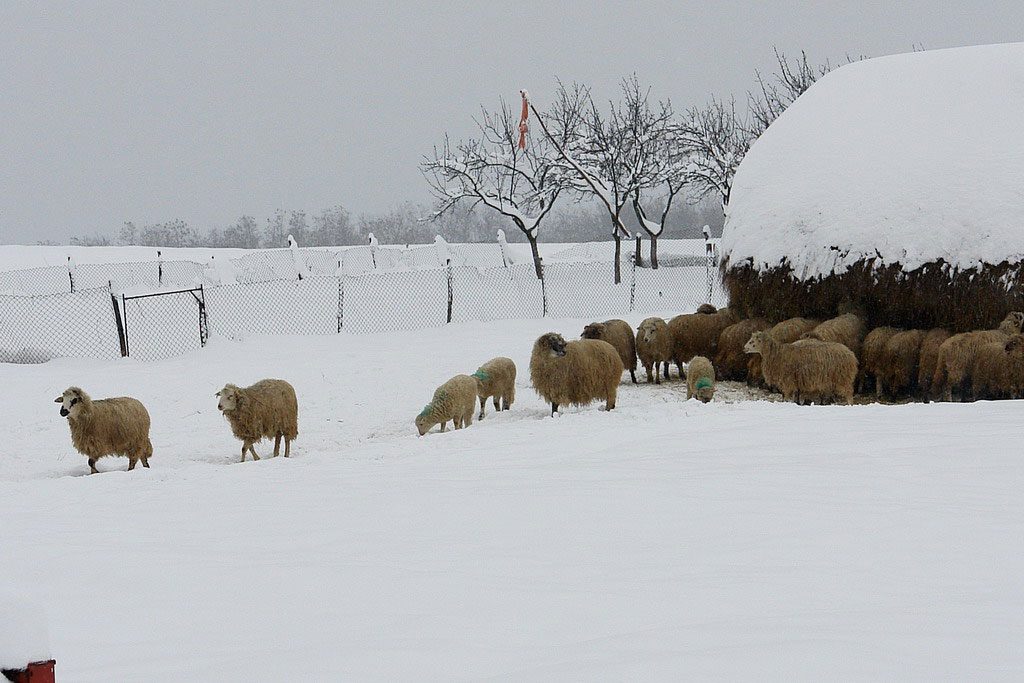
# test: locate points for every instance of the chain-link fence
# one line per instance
(319, 296)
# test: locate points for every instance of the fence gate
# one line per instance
(164, 324)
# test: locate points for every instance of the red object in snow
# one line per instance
(36, 672)
(522, 121)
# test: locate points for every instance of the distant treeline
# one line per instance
(404, 224)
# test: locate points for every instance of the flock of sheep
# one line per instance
(807, 361)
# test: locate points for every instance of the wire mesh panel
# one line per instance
(357, 260)
(119, 275)
(34, 329)
(399, 300)
(162, 325)
(675, 289)
(483, 255)
(49, 280)
(264, 266)
(182, 274)
(320, 262)
(308, 306)
(586, 290)
(494, 294)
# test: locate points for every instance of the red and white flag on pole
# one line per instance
(523, 127)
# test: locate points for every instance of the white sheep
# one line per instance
(266, 409)
(108, 426)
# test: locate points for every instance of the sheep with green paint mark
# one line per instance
(700, 379)
(454, 400)
(496, 378)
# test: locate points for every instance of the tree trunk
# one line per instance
(618, 254)
(654, 252)
(638, 258)
(536, 254)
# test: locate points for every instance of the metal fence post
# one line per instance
(122, 337)
(448, 268)
(632, 284)
(543, 290)
(159, 268)
(71, 275)
(204, 326)
(341, 303)
(124, 306)
(709, 260)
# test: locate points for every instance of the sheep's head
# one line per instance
(706, 309)
(423, 421)
(552, 342)
(71, 401)
(593, 331)
(228, 398)
(755, 343)
(646, 331)
(1013, 322)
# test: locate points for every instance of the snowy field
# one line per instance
(664, 540)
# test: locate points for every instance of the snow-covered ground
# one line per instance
(664, 540)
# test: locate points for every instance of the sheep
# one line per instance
(929, 359)
(497, 378)
(785, 332)
(700, 379)
(108, 426)
(454, 400)
(898, 366)
(619, 334)
(266, 409)
(696, 334)
(847, 329)
(654, 347)
(705, 309)
(730, 361)
(576, 372)
(998, 370)
(807, 370)
(871, 358)
(956, 355)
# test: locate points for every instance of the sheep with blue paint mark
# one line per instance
(454, 400)
(700, 379)
(496, 378)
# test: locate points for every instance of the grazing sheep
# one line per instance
(700, 379)
(576, 372)
(266, 409)
(786, 332)
(871, 358)
(705, 309)
(108, 426)
(929, 359)
(807, 370)
(654, 347)
(696, 334)
(847, 329)
(957, 354)
(619, 334)
(898, 367)
(454, 400)
(497, 378)
(730, 361)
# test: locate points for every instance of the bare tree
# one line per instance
(594, 145)
(492, 170)
(715, 140)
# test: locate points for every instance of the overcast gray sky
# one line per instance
(150, 111)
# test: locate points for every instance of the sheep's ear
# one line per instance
(217, 394)
(59, 399)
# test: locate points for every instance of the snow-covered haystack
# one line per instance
(896, 183)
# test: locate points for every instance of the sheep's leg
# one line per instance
(632, 374)
(277, 445)
(253, 451)
(664, 368)
(92, 466)
(483, 406)
(497, 403)
(610, 401)
(245, 447)
(554, 409)
(287, 447)
(145, 462)
(131, 463)
(443, 425)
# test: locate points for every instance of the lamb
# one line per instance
(847, 329)
(871, 358)
(454, 400)
(730, 361)
(696, 334)
(497, 378)
(807, 370)
(576, 372)
(619, 334)
(108, 426)
(654, 347)
(957, 354)
(929, 359)
(266, 409)
(898, 366)
(786, 332)
(700, 379)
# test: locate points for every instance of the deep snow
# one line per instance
(665, 539)
(911, 157)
